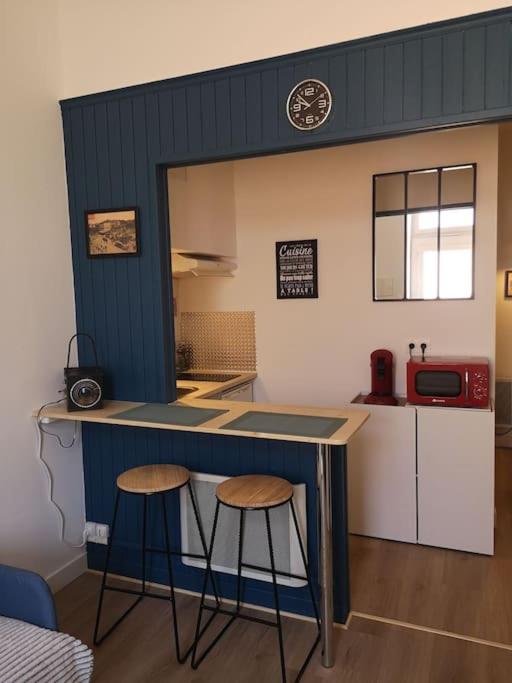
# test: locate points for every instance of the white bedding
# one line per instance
(30, 653)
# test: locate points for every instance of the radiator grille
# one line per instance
(225, 556)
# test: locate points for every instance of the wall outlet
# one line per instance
(97, 533)
(417, 346)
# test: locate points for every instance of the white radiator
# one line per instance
(255, 550)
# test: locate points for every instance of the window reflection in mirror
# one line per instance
(389, 257)
(423, 234)
(422, 259)
(456, 253)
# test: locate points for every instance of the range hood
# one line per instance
(200, 265)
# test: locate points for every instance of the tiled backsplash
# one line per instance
(221, 340)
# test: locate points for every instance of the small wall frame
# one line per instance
(112, 232)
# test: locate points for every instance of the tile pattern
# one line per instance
(221, 340)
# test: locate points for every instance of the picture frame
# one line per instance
(508, 284)
(112, 232)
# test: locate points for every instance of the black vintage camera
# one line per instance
(84, 385)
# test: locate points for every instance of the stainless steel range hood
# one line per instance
(200, 265)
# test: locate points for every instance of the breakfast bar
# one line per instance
(327, 430)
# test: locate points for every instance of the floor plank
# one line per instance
(140, 650)
(444, 589)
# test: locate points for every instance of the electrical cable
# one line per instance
(41, 431)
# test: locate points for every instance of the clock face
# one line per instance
(309, 104)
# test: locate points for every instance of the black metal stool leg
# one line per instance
(171, 584)
(144, 525)
(276, 596)
(240, 551)
(311, 592)
(199, 632)
(96, 640)
(203, 539)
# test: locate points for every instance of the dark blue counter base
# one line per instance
(109, 450)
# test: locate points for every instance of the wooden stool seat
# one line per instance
(251, 491)
(150, 479)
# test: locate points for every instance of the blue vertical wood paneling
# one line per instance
(223, 113)
(497, 65)
(253, 109)
(355, 89)
(117, 147)
(453, 77)
(393, 94)
(432, 77)
(374, 86)
(474, 69)
(237, 111)
(180, 120)
(412, 80)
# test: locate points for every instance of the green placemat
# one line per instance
(286, 423)
(162, 413)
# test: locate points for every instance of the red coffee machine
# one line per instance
(381, 363)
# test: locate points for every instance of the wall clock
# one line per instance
(309, 104)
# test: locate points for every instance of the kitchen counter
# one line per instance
(233, 410)
(328, 445)
(207, 389)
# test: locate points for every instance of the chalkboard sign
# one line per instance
(296, 269)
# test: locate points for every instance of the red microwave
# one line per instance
(458, 382)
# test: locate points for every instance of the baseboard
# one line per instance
(67, 573)
(258, 608)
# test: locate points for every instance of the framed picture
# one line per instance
(112, 232)
(508, 284)
(297, 269)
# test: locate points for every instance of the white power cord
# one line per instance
(40, 432)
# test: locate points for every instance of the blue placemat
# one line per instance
(162, 413)
(286, 423)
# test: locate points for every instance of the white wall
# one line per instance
(317, 351)
(112, 43)
(36, 293)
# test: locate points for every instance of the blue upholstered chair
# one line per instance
(26, 596)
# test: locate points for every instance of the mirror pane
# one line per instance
(389, 257)
(457, 185)
(390, 192)
(422, 189)
(456, 253)
(422, 254)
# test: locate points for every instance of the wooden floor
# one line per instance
(368, 652)
(457, 592)
(461, 592)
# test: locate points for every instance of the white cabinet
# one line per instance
(202, 209)
(382, 475)
(456, 478)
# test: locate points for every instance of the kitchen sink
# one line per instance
(184, 391)
(206, 376)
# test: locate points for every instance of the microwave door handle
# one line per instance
(466, 381)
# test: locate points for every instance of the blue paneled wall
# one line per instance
(118, 144)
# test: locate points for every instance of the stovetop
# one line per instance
(205, 376)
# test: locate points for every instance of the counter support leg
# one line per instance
(323, 467)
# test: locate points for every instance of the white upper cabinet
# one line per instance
(202, 209)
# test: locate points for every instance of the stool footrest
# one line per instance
(239, 615)
(268, 570)
(141, 594)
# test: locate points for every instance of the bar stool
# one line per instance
(147, 481)
(250, 493)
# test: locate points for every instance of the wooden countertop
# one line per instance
(355, 418)
(206, 389)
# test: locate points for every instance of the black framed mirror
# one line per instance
(424, 234)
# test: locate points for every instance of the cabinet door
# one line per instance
(456, 479)
(382, 475)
